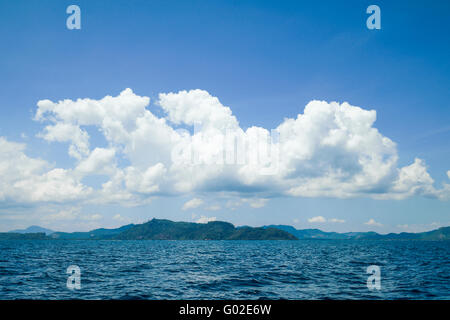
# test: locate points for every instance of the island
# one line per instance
(162, 229)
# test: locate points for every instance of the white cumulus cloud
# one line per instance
(335, 220)
(24, 179)
(192, 204)
(198, 147)
(373, 223)
(214, 207)
(318, 219)
(256, 203)
(204, 219)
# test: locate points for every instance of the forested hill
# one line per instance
(161, 229)
(438, 234)
(158, 229)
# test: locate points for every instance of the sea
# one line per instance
(147, 269)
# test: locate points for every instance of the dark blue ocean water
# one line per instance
(224, 269)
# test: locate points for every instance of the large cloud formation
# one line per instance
(198, 146)
(24, 179)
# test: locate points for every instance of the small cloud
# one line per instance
(68, 214)
(435, 224)
(204, 219)
(448, 174)
(118, 217)
(373, 223)
(318, 219)
(256, 203)
(23, 135)
(213, 208)
(192, 204)
(420, 227)
(296, 221)
(93, 217)
(233, 204)
(335, 220)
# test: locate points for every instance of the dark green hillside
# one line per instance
(97, 234)
(158, 229)
(310, 233)
(248, 233)
(439, 234)
(22, 236)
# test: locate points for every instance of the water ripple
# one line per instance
(224, 269)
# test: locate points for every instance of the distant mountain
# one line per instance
(33, 229)
(310, 233)
(160, 229)
(439, 234)
(22, 236)
(97, 234)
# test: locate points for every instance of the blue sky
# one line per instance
(265, 60)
